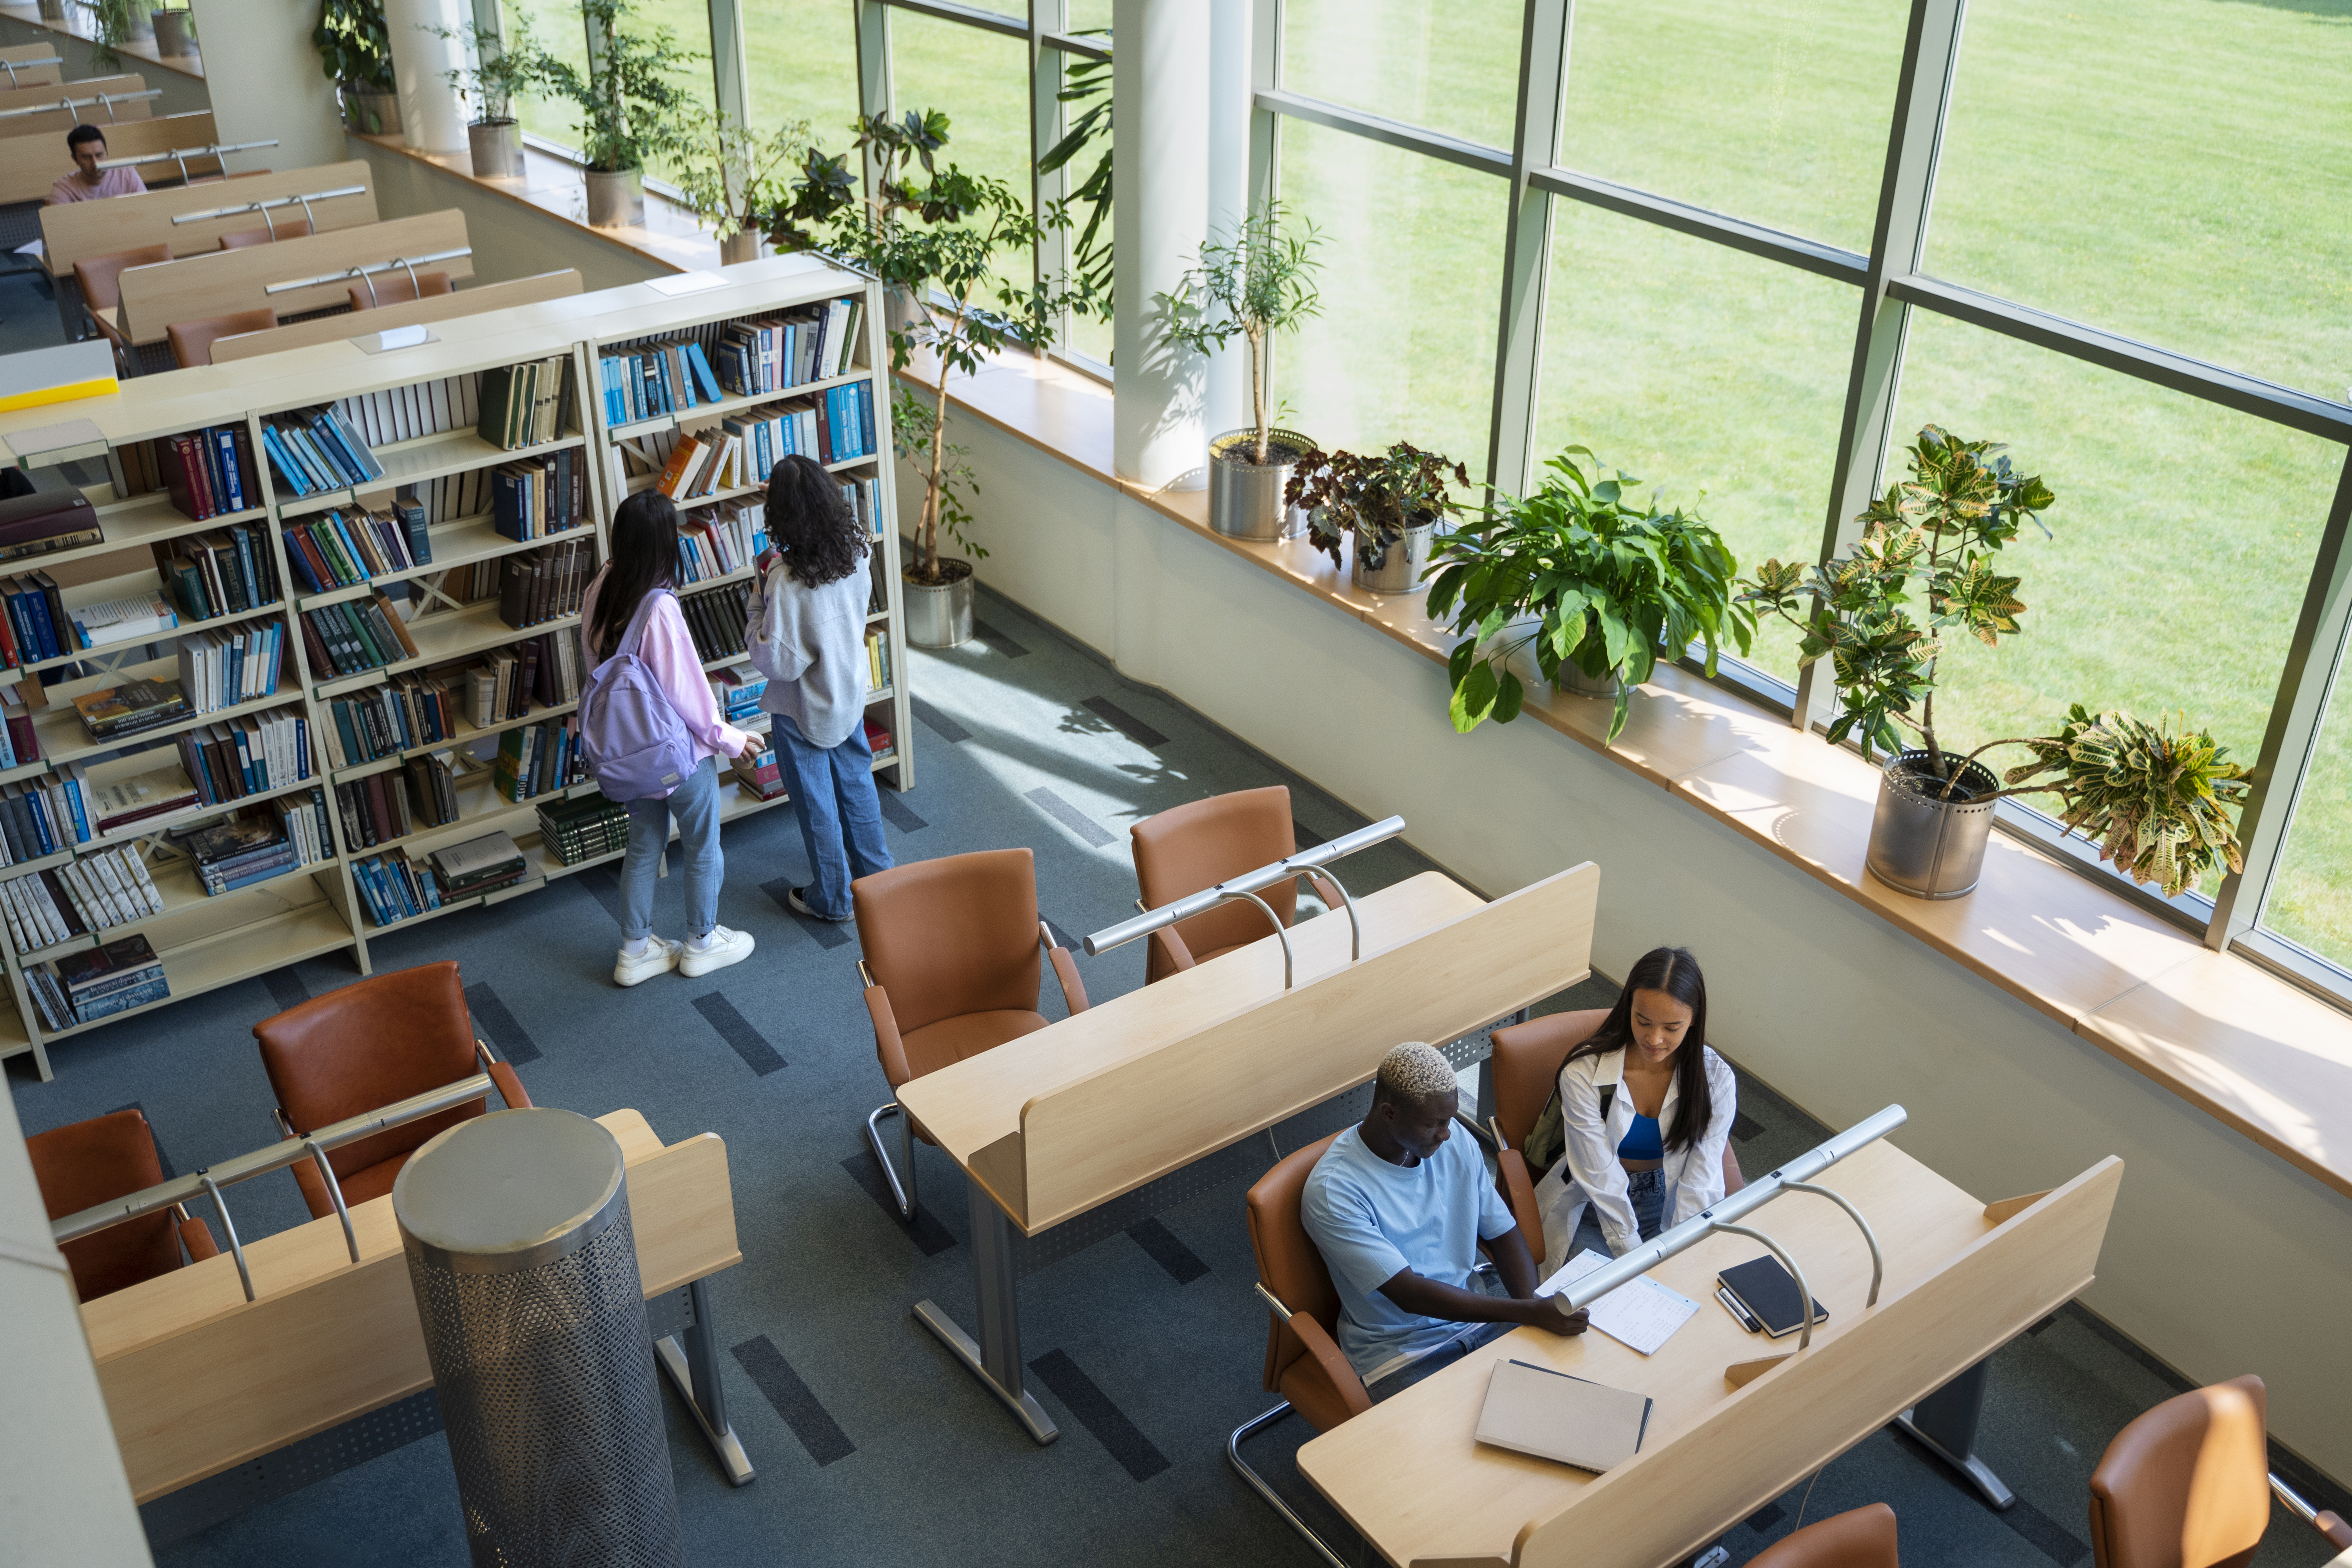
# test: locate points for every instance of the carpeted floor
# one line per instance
(871, 1445)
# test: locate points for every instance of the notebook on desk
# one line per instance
(1553, 1416)
(1770, 1294)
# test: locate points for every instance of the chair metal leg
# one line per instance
(902, 1192)
(1273, 1498)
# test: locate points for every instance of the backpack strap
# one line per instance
(636, 631)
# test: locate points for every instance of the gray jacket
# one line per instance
(811, 645)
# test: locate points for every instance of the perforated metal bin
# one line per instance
(517, 1230)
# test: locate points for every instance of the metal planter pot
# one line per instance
(365, 111)
(1245, 498)
(741, 246)
(142, 26)
(1401, 563)
(497, 146)
(1928, 848)
(941, 616)
(616, 199)
(174, 34)
(1574, 682)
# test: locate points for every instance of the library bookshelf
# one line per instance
(433, 452)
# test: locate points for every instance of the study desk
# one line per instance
(1738, 1417)
(1059, 1122)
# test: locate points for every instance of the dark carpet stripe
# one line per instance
(738, 1032)
(925, 1232)
(825, 934)
(1125, 722)
(1744, 1127)
(1307, 838)
(286, 988)
(945, 728)
(1069, 816)
(2044, 1323)
(162, 1158)
(899, 814)
(1765, 1518)
(1168, 1250)
(604, 883)
(997, 641)
(511, 1041)
(2057, 1543)
(1093, 1410)
(774, 1377)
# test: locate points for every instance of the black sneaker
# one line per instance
(799, 907)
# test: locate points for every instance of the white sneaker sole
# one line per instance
(626, 973)
(692, 963)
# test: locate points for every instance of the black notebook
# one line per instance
(1765, 1288)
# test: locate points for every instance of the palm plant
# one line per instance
(1088, 82)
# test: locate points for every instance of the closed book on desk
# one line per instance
(1535, 1410)
(1766, 1290)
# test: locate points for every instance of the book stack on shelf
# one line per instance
(413, 412)
(250, 756)
(481, 864)
(583, 829)
(525, 404)
(533, 499)
(224, 574)
(545, 584)
(545, 670)
(316, 451)
(343, 547)
(714, 619)
(222, 669)
(115, 713)
(88, 986)
(721, 544)
(206, 473)
(127, 799)
(393, 888)
(385, 720)
(433, 788)
(877, 659)
(817, 342)
(762, 776)
(878, 739)
(258, 843)
(383, 807)
(655, 377)
(38, 520)
(738, 689)
(94, 893)
(539, 759)
(864, 498)
(354, 637)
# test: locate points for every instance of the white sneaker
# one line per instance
(726, 947)
(659, 957)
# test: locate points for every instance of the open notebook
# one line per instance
(1553, 1416)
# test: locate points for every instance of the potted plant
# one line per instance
(934, 242)
(1595, 584)
(630, 105)
(738, 177)
(1253, 284)
(175, 31)
(503, 71)
(1390, 505)
(355, 51)
(114, 23)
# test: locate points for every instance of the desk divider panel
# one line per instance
(82, 229)
(35, 166)
(196, 287)
(33, 75)
(409, 313)
(58, 122)
(1106, 1134)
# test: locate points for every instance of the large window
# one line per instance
(1451, 65)
(800, 64)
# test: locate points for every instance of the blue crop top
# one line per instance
(1643, 1140)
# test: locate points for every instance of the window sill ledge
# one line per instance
(142, 50)
(2245, 1047)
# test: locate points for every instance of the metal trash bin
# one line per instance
(517, 1230)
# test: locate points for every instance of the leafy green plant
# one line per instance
(1376, 499)
(915, 438)
(633, 109)
(504, 68)
(1252, 285)
(1607, 582)
(354, 47)
(111, 23)
(1087, 81)
(2155, 797)
(736, 175)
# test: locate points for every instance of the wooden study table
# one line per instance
(1059, 1122)
(1727, 1434)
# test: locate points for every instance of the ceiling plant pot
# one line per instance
(174, 33)
(1395, 567)
(1246, 496)
(939, 614)
(617, 198)
(1924, 842)
(496, 147)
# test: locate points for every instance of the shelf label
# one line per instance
(686, 283)
(395, 338)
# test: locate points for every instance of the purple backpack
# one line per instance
(636, 744)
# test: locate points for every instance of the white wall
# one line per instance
(266, 80)
(2222, 1258)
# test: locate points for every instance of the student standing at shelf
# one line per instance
(86, 145)
(630, 607)
(806, 630)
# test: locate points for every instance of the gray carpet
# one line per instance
(871, 1444)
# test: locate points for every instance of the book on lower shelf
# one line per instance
(20, 742)
(877, 659)
(394, 888)
(40, 816)
(120, 712)
(257, 842)
(345, 546)
(538, 758)
(481, 865)
(90, 894)
(355, 636)
(407, 711)
(878, 739)
(584, 828)
(88, 986)
(723, 543)
(207, 473)
(124, 800)
(246, 757)
(225, 574)
(533, 499)
(738, 689)
(714, 619)
(545, 584)
(526, 405)
(762, 776)
(44, 513)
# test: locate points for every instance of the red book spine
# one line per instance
(200, 477)
(24, 737)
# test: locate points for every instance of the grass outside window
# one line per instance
(1449, 67)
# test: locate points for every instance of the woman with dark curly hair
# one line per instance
(806, 630)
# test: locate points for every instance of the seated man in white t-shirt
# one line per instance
(1397, 1206)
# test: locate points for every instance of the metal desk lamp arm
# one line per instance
(236, 1248)
(1877, 1258)
(1804, 1292)
(335, 1193)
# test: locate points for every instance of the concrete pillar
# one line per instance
(1231, 24)
(432, 114)
(1160, 81)
(264, 79)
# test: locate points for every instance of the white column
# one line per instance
(1230, 28)
(1161, 82)
(432, 114)
(265, 80)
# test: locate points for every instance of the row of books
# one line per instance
(546, 670)
(349, 546)
(738, 688)
(546, 583)
(533, 499)
(393, 888)
(384, 720)
(35, 626)
(699, 466)
(316, 451)
(660, 375)
(20, 742)
(714, 618)
(89, 894)
(259, 842)
(397, 888)
(355, 636)
(864, 498)
(878, 598)
(877, 658)
(525, 404)
(224, 574)
(539, 758)
(388, 805)
(584, 828)
(250, 756)
(816, 342)
(221, 669)
(844, 423)
(87, 986)
(419, 409)
(208, 473)
(41, 816)
(721, 544)
(432, 779)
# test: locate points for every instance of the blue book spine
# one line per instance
(702, 371)
(301, 748)
(244, 563)
(53, 637)
(79, 808)
(41, 828)
(224, 444)
(283, 463)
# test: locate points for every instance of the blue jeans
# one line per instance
(840, 814)
(1646, 1190)
(695, 804)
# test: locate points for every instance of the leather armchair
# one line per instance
(952, 969)
(192, 342)
(368, 1046)
(1862, 1537)
(246, 238)
(1197, 845)
(2188, 1484)
(394, 289)
(97, 1160)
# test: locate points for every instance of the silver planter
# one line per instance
(367, 111)
(1401, 563)
(142, 26)
(1574, 682)
(740, 246)
(939, 616)
(1245, 498)
(174, 35)
(1928, 848)
(616, 199)
(497, 146)
(53, 10)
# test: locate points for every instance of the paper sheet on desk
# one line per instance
(1641, 1315)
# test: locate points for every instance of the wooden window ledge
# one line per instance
(76, 25)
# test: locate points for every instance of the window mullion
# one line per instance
(1545, 32)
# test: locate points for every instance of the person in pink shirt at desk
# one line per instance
(89, 182)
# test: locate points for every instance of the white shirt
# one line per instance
(1590, 1172)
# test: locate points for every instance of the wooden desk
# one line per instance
(31, 76)
(1409, 1475)
(83, 229)
(33, 167)
(490, 297)
(1061, 1121)
(58, 122)
(225, 281)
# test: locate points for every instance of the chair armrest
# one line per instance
(888, 1046)
(511, 1088)
(1326, 892)
(1334, 1366)
(1173, 953)
(1065, 970)
(1519, 1193)
(195, 1236)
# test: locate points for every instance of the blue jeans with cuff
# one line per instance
(695, 804)
(839, 811)
(1646, 1190)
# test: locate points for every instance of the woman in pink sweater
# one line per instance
(645, 552)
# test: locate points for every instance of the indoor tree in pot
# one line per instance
(1253, 284)
(1391, 505)
(116, 22)
(631, 105)
(503, 71)
(737, 178)
(355, 51)
(1594, 584)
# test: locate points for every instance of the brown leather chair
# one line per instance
(365, 1046)
(246, 238)
(99, 279)
(192, 342)
(394, 289)
(2187, 1485)
(1525, 1064)
(1860, 1537)
(951, 967)
(96, 1162)
(1200, 844)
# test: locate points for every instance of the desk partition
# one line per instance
(32, 167)
(227, 281)
(433, 308)
(104, 102)
(83, 229)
